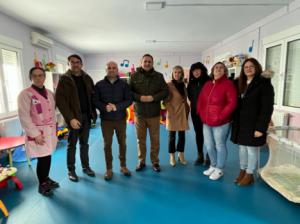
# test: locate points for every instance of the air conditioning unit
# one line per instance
(41, 40)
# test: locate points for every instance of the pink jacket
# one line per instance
(37, 116)
(217, 101)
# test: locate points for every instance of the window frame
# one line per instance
(282, 39)
(16, 46)
(61, 60)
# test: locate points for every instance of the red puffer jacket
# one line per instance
(217, 101)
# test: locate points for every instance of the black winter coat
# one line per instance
(254, 111)
(194, 87)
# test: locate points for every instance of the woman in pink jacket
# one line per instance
(216, 103)
(36, 109)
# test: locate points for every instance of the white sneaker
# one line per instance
(209, 171)
(216, 174)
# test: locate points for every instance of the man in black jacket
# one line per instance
(112, 97)
(74, 100)
(149, 89)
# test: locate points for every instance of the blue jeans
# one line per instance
(248, 158)
(215, 142)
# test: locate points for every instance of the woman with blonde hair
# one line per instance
(177, 115)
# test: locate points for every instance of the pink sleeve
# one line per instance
(24, 104)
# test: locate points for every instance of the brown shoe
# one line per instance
(108, 175)
(240, 177)
(125, 171)
(248, 179)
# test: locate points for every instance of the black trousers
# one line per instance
(180, 142)
(83, 135)
(198, 127)
(43, 168)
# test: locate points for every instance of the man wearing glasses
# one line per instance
(74, 100)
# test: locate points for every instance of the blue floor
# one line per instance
(178, 194)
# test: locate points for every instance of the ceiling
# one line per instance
(116, 26)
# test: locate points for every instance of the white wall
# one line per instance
(16, 30)
(240, 42)
(95, 63)
(279, 21)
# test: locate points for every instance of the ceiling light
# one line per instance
(154, 5)
(178, 41)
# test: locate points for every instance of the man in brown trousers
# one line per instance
(112, 97)
(149, 89)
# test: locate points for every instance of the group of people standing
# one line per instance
(217, 105)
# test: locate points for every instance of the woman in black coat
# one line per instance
(252, 117)
(198, 77)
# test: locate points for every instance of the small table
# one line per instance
(9, 144)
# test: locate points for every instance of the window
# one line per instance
(11, 80)
(61, 64)
(292, 80)
(282, 56)
(273, 63)
(61, 68)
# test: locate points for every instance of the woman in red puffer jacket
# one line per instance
(216, 103)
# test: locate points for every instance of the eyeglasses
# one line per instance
(75, 62)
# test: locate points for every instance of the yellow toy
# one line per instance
(3, 209)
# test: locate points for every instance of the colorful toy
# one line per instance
(130, 114)
(9, 173)
(62, 132)
(3, 208)
(49, 66)
(163, 113)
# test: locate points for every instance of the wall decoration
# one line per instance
(166, 65)
(251, 47)
(132, 68)
(48, 66)
(236, 60)
(125, 63)
(158, 62)
(207, 60)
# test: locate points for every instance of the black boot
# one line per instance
(52, 184)
(45, 189)
(207, 161)
(88, 171)
(199, 161)
(73, 176)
